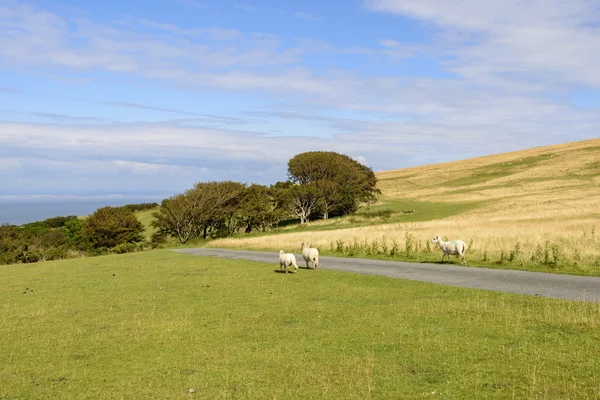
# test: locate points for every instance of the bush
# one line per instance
(158, 238)
(111, 226)
(125, 248)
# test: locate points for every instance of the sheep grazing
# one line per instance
(286, 260)
(455, 247)
(310, 254)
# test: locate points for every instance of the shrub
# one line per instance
(111, 226)
(125, 248)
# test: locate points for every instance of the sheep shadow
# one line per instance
(283, 272)
(441, 262)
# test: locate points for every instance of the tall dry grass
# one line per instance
(542, 207)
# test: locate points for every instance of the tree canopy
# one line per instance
(341, 182)
(111, 226)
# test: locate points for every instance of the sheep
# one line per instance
(310, 254)
(455, 247)
(285, 260)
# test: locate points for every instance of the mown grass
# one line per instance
(168, 326)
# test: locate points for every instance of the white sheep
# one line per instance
(310, 254)
(455, 247)
(287, 259)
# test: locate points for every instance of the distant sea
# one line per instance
(23, 211)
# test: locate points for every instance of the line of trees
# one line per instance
(320, 185)
(115, 229)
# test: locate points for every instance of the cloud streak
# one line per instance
(144, 107)
(504, 71)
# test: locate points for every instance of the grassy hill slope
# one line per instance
(536, 209)
(145, 217)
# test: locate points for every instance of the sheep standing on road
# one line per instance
(286, 260)
(310, 254)
(455, 247)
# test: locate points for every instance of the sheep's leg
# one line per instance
(307, 266)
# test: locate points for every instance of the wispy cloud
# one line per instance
(145, 107)
(57, 117)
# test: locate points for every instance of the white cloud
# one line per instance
(504, 58)
(361, 160)
(144, 168)
(552, 40)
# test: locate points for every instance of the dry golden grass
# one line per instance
(545, 196)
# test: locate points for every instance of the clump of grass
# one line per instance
(556, 254)
(514, 253)
(502, 258)
(394, 251)
(408, 244)
(384, 246)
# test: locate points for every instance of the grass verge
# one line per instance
(157, 324)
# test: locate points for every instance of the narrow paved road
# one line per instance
(534, 283)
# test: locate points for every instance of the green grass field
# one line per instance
(154, 325)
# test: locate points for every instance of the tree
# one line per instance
(304, 200)
(112, 226)
(342, 183)
(216, 205)
(207, 207)
(174, 218)
(255, 206)
(330, 196)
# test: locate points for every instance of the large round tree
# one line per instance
(341, 182)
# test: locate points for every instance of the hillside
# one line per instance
(532, 209)
(543, 182)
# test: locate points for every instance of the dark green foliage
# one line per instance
(34, 242)
(262, 207)
(341, 182)
(73, 227)
(304, 200)
(209, 208)
(158, 238)
(110, 226)
(141, 206)
(219, 209)
(58, 222)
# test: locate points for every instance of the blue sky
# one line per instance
(149, 97)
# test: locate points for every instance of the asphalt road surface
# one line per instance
(584, 288)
